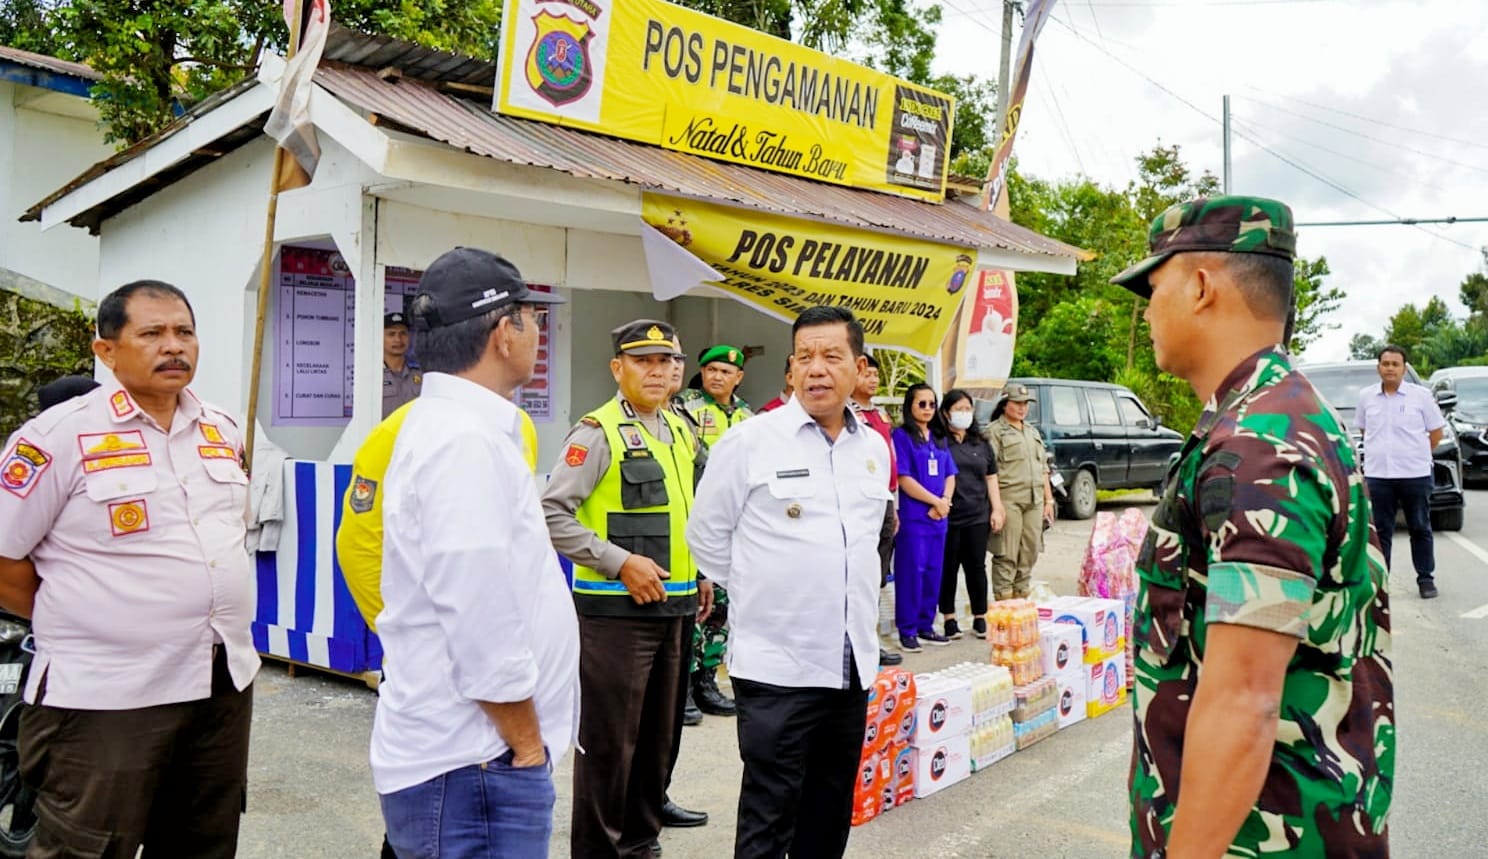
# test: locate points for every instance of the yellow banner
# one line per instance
(903, 290)
(661, 74)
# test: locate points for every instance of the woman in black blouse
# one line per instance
(976, 510)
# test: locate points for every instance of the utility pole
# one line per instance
(1005, 69)
(1227, 144)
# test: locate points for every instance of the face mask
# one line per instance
(961, 420)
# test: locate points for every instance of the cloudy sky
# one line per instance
(1387, 101)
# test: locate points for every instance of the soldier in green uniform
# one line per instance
(1023, 481)
(617, 505)
(1263, 680)
(714, 408)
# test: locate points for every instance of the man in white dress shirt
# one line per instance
(1402, 425)
(481, 643)
(787, 517)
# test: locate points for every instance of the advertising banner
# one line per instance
(984, 351)
(903, 290)
(661, 74)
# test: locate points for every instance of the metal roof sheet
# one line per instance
(50, 64)
(415, 61)
(422, 108)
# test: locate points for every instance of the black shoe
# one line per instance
(691, 715)
(1428, 589)
(887, 658)
(676, 816)
(709, 699)
(979, 627)
(934, 638)
(655, 848)
(952, 629)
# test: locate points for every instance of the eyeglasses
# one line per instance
(924, 404)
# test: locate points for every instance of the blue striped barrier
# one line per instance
(305, 612)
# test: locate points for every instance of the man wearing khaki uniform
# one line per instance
(1023, 481)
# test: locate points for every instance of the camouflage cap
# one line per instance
(1229, 224)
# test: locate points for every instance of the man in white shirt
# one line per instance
(481, 643)
(1402, 425)
(787, 517)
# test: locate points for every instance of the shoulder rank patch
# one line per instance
(589, 421)
(22, 467)
(363, 494)
(576, 455)
(216, 451)
(128, 517)
(628, 409)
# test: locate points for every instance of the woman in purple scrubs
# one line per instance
(927, 480)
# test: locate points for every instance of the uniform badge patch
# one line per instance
(101, 443)
(628, 409)
(632, 437)
(212, 434)
(122, 405)
(708, 419)
(363, 494)
(128, 517)
(576, 455)
(95, 464)
(23, 466)
(213, 451)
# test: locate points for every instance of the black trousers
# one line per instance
(628, 679)
(800, 749)
(171, 777)
(687, 625)
(965, 548)
(886, 545)
(1413, 495)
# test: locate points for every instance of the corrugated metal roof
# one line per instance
(379, 52)
(423, 108)
(50, 64)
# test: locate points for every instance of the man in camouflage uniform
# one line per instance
(1261, 566)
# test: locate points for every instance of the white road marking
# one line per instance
(1477, 552)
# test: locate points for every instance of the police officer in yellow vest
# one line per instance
(711, 401)
(617, 506)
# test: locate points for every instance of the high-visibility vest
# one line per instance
(712, 419)
(640, 504)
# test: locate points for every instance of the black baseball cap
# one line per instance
(467, 282)
(391, 319)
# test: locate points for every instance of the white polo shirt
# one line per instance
(1397, 430)
(475, 605)
(788, 522)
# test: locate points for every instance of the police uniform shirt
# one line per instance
(789, 521)
(400, 387)
(585, 459)
(137, 533)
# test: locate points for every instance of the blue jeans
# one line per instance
(1413, 496)
(486, 811)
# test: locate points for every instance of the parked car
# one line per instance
(1100, 436)
(1340, 383)
(1469, 416)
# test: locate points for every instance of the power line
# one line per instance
(1359, 116)
(1293, 163)
(1189, 4)
(1393, 143)
(1383, 168)
(1410, 222)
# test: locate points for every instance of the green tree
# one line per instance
(1411, 326)
(1364, 347)
(158, 57)
(1473, 291)
(1314, 302)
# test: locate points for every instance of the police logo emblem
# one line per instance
(653, 333)
(363, 494)
(558, 65)
(128, 517)
(24, 464)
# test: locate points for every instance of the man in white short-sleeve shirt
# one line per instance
(1402, 425)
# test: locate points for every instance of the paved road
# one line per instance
(310, 793)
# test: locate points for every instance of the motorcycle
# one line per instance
(1056, 482)
(17, 800)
